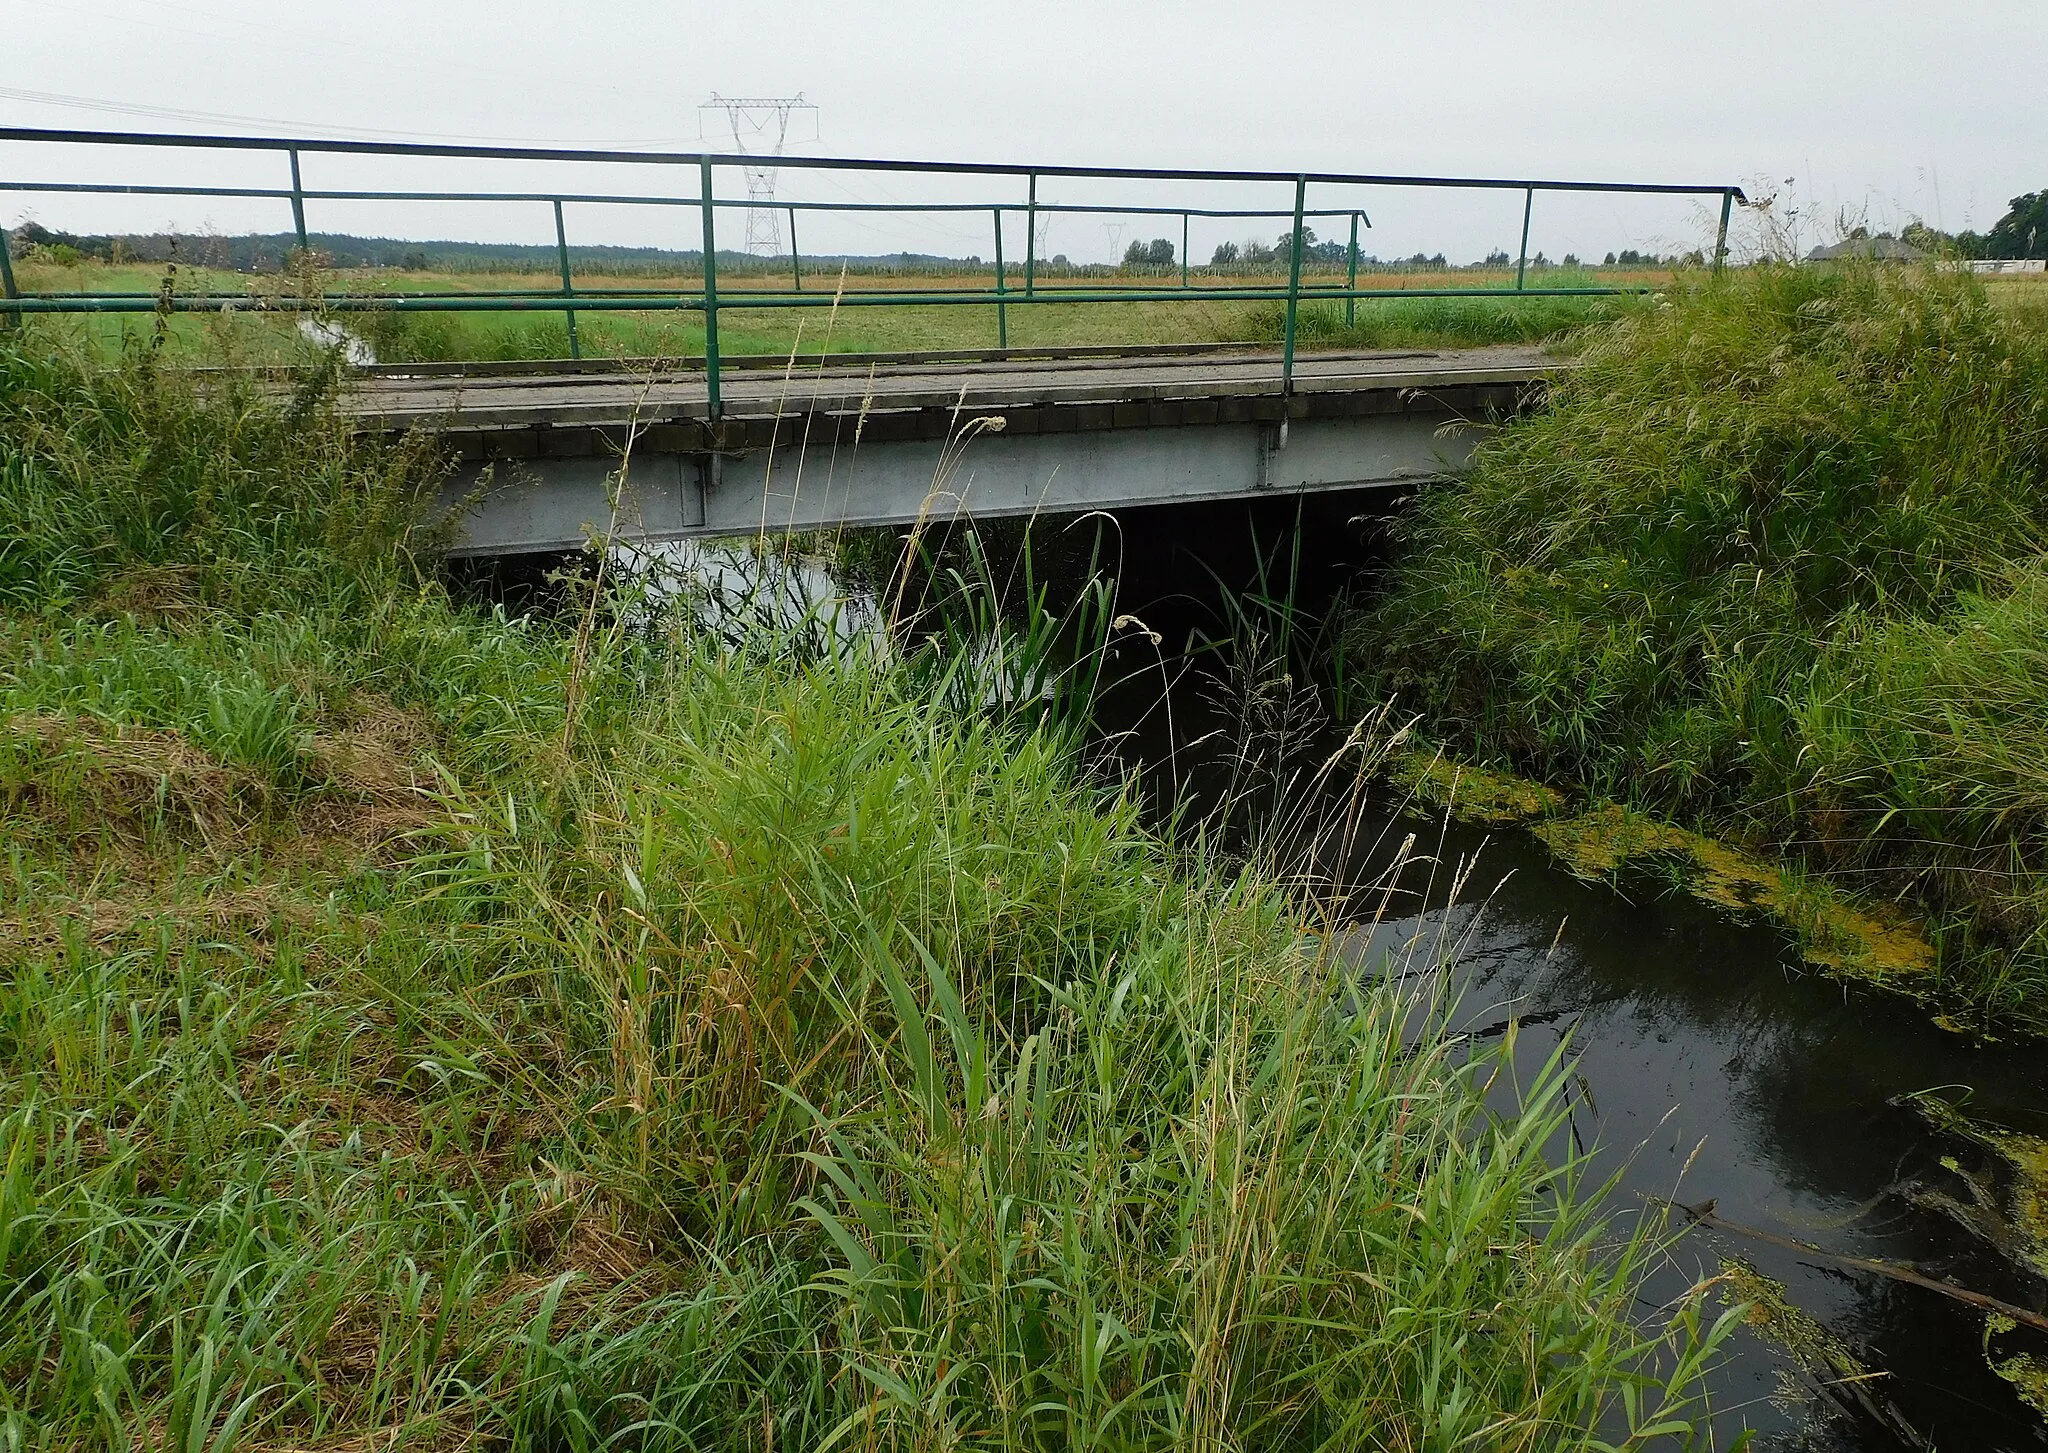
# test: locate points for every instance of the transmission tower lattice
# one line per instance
(760, 129)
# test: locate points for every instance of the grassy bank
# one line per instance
(434, 337)
(426, 1029)
(1772, 563)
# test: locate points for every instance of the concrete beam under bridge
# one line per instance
(820, 449)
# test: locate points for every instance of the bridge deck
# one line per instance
(482, 400)
(819, 447)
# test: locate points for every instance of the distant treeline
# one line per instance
(270, 252)
(2021, 233)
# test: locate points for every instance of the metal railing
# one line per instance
(710, 300)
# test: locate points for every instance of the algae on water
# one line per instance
(1861, 941)
(1829, 1363)
(1473, 794)
(2007, 1209)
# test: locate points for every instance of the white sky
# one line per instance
(1877, 109)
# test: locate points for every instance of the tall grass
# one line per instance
(1771, 560)
(424, 1028)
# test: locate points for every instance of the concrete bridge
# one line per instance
(874, 441)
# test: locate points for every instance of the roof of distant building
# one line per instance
(1890, 249)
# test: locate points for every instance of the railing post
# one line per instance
(9, 320)
(796, 262)
(1031, 236)
(1522, 264)
(1293, 288)
(1002, 305)
(1351, 278)
(298, 201)
(712, 400)
(1183, 250)
(1721, 237)
(568, 287)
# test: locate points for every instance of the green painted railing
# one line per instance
(710, 300)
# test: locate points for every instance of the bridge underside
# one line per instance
(549, 463)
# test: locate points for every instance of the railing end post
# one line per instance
(1031, 236)
(1293, 287)
(1522, 262)
(714, 405)
(568, 287)
(9, 320)
(298, 201)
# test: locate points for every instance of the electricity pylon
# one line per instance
(760, 127)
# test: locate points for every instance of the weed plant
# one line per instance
(424, 1028)
(1772, 561)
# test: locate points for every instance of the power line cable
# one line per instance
(298, 127)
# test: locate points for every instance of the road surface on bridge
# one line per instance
(483, 398)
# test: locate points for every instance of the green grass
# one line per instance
(1772, 562)
(1441, 322)
(411, 337)
(424, 1028)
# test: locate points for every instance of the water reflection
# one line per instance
(1713, 1066)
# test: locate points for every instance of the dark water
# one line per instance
(1711, 1062)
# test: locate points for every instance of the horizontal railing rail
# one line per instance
(709, 299)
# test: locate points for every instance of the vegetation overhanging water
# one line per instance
(428, 1027)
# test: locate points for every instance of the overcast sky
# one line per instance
(1887, 108)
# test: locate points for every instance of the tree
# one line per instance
(1936, 243)
(1499, 258)
(1224, 256)
(1156, 253)
(1283, 245)
(2023, 231)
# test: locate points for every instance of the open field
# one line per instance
(426, 1029)
(1774, 562)
(2023, 294)
(415, 337)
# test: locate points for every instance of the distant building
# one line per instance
(1885, 249)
